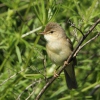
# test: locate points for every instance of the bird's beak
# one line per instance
(42, 33)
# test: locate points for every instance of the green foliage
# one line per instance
(22, 71)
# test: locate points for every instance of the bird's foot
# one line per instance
(65, 63)
(55, 74)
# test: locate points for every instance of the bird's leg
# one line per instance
(55, 72)
(66, 63)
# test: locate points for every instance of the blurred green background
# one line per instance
(24, 64)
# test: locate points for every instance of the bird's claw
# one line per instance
(66, 63)
(55, 74)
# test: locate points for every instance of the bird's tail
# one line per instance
(70, 77)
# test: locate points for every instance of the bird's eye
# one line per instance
(51, 31)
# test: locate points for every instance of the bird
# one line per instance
(59, 47)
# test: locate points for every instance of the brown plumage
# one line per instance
(59, 47)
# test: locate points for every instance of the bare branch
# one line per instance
(12, 76)
(80, 47)
(77, 29)
(28, 33)
(30, 85)
(68, 60)
(95, 90)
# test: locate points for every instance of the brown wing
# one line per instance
(69, 41)
(71, 47)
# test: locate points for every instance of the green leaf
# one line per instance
(18, 54)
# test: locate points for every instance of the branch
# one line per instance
(68, 60)
(78, 29)
(80, 47)
(28, 33)
(30, 85)
(95, 90)
(12, 76)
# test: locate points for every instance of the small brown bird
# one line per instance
(59, 48)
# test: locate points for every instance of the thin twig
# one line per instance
(95, 90)
(30, 85)
(80, 47)
(12, 76)
(68, 60)
(28, 33)
(77, 29)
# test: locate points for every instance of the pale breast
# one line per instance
(58, 52)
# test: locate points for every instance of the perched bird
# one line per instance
(59, 48)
